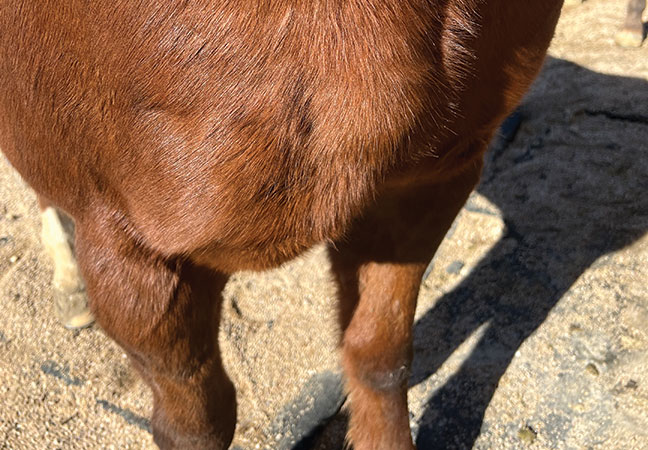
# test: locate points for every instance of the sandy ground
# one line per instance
(532, 326)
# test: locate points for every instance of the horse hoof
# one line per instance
(629, 38)
(72, 309)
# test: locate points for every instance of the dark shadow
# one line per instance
(566, 199)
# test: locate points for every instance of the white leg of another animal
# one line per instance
(68, 286)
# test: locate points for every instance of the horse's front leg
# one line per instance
(164, 312)
(379, 268)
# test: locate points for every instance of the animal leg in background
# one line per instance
(632, 33)
(57, 237)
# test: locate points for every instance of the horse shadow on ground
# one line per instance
(569, 191)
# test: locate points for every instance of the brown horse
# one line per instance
(192, 139)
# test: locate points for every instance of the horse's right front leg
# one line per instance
(164, 312)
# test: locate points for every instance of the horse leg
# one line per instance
(632, 33)
(164, 312)
(378, 269)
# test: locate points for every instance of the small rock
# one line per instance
(575, 328)
(591, 369)
(527, 434)
(455, 267)
(13, 259)
(632, 384)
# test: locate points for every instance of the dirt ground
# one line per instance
(532, 325)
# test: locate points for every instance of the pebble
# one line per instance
(527, 434)
(591, 369)
(455, 267)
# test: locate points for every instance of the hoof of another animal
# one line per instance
(629, 38)
(72, 309)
